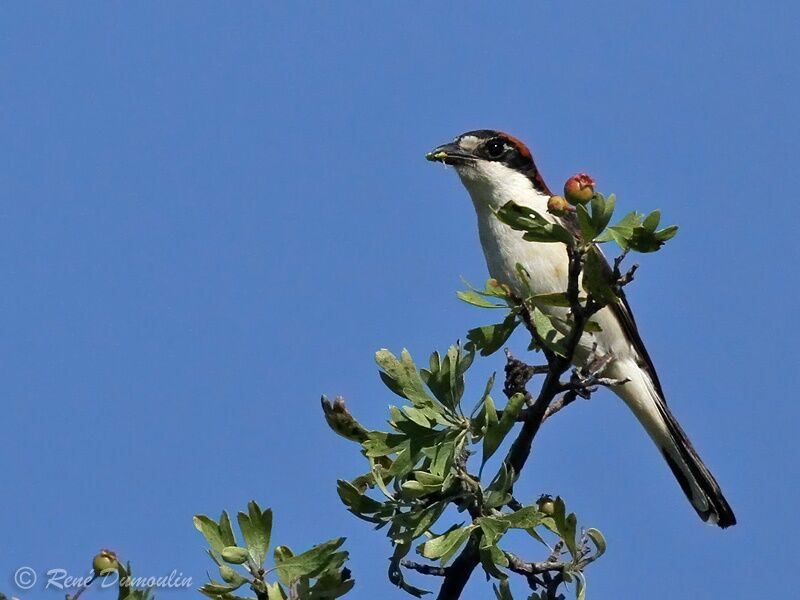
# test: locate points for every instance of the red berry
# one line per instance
(579, 189)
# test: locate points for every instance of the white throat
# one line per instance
(491, 185)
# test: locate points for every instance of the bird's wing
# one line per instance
(621, 310)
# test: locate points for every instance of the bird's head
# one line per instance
(490, 162)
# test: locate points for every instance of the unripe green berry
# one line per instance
(557, 205)
(235, 555)
(104, 563)
(546, 505)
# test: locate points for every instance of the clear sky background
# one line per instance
(214, 212)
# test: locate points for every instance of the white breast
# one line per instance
(547, 264)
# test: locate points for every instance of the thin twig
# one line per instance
(516, 564)
(619, 279)
(85, 587)
(461, 569)
(547, 575)
(562, 402)
(423, 568)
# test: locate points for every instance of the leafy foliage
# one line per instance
(634, 231)
(317, 573)
(420, 466)
(126, 590)
(422, 463)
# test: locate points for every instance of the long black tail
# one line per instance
(695, 479)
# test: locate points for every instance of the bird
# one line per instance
(496, 168)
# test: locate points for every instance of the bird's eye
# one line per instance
(495, 148)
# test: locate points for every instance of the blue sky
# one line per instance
(214, 212)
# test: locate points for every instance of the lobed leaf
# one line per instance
(496, 430)
(256, 528)
(490, 338)
(311, 562)
(444, 546)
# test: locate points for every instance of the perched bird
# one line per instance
(497, 168)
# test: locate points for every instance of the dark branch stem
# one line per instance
(548, 574)
(619, 279)
(423, 568)
(517, 376)
(460, 571)
(523, 567)
(558, 365)
(564, 401)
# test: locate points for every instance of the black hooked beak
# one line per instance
(449, 154)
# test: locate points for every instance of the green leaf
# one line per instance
(596, 280)
(401, 376)
(275, 591)
(490, 338)
(445, 379)
(256, 528)
(475, 299)
(580, 586)
(331, 584)
(213, 589)
(630, 221)
(426, 518)
(524, 518)
(537, 228)
(225, 530)
(524, 278)
(592, 327)
(378, 473)
(231, 577)
(566, 525)
(417, 416)
(282, 553)
(493, 529)
(381, 443)
(490, 423)
(312, 562)
(490, 557)
(602, 210)
(406, 459)
(503, 480)
(651, 221)
(588, 230)
(598, 540)
(428, 479)
(549, 234)
(211, 531)
(503, 590)
(496, 431)
(548, 334)
(356, 502)
(622, 231)
(443, 457)
(555, 299)
(645, 240)
(413, 489)
(495, 289)
(496, 495)
(667, 233)
(396, 573)
(444, 546)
